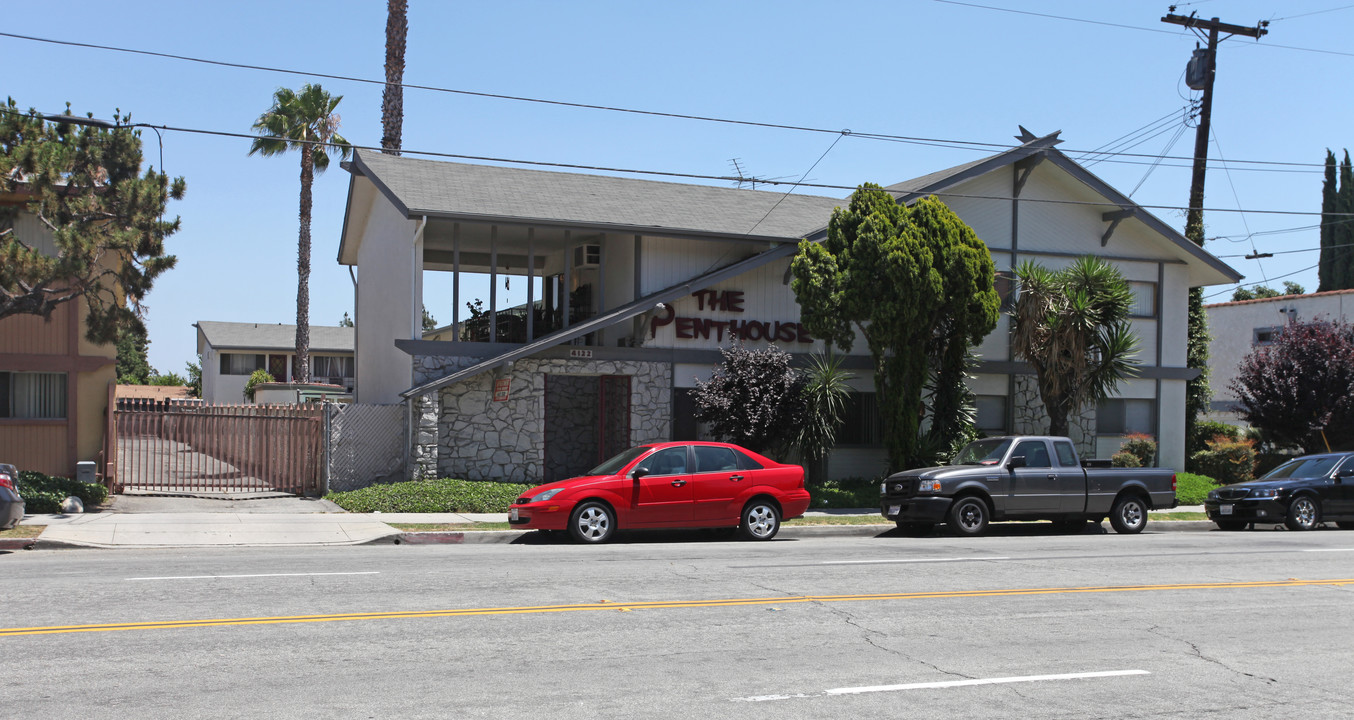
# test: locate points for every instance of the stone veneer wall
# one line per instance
(479, 439)
(1030, 418)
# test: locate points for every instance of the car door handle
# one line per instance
(678, 483)
(735, 478)
(1052, 477)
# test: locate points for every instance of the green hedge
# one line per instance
(854, 492)
(44, 493)
(445, 495)
(1190, 489)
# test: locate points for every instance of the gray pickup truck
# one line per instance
(1024, 478)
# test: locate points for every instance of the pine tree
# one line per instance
(1329, 196)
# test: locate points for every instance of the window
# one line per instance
(714, 459)
(1005, 284)
(1121, 416)
(671, 461)
(1067, 457)
(238, 364)
(331, 366)
(33, 395)
(1144, 298)
(991, 414)
(1035, 452)
(1265, 336)
(861, 424)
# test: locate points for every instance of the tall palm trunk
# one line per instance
(301, 368)
(392, 101)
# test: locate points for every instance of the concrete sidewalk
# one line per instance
(216, 522)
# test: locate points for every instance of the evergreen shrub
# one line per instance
(1191, 489)
(1227, 461)
(444, 495)
(44, 493)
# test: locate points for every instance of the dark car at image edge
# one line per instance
(11, 505)
(1301, 493)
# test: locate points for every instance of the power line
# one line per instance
(1290, 252)
(693, 176)
(1278, 277)
(939, 142)
(1140, 28)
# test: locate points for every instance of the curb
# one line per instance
(18, 543)
(502, 537)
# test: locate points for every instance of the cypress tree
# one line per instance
(1326, 268)
(1342, 236)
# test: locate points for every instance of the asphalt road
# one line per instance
(1160, 625)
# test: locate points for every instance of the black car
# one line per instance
(11, 505)
(1302, 493)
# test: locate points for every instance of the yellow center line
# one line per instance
(657, 605)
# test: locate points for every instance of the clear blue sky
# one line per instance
(916, 68)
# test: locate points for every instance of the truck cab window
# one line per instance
(1035, 452)
(1067, 457)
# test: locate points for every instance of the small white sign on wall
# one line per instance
(580, 354)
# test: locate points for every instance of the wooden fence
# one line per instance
(218, 448)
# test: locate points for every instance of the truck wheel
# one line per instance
(915, 529)
(968, 516)
(1129, 515)
(1303, 513)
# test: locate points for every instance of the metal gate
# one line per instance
(218, 448)
(364, 445)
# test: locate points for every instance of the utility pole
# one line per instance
(1200, 74)
(1208, 62)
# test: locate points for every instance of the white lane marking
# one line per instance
(1329, 550)
(209, 577)
(948, 684)
(909, 560)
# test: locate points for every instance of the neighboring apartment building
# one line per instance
(642, 282)
(54, 384)
(1238, 327)
(232, 351)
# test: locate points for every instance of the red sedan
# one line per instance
(669, 485)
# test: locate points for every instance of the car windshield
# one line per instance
(614, 465)
(982, 452)
(1302, 468)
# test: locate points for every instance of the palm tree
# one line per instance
(303, 121)
(826, 393)
(392, 100)
(1072, 327)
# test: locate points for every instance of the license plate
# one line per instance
(895, 509)
(512, 514)
(1224, 509)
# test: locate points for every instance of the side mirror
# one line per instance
(1345, 472)
(1017, 461)
(639, 472)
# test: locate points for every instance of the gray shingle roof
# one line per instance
(264, 336)
(448, 189)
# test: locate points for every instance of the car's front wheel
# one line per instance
(968, 516)
(1129, 515)
(1303, 513)
(760, 520)
(592, 522)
